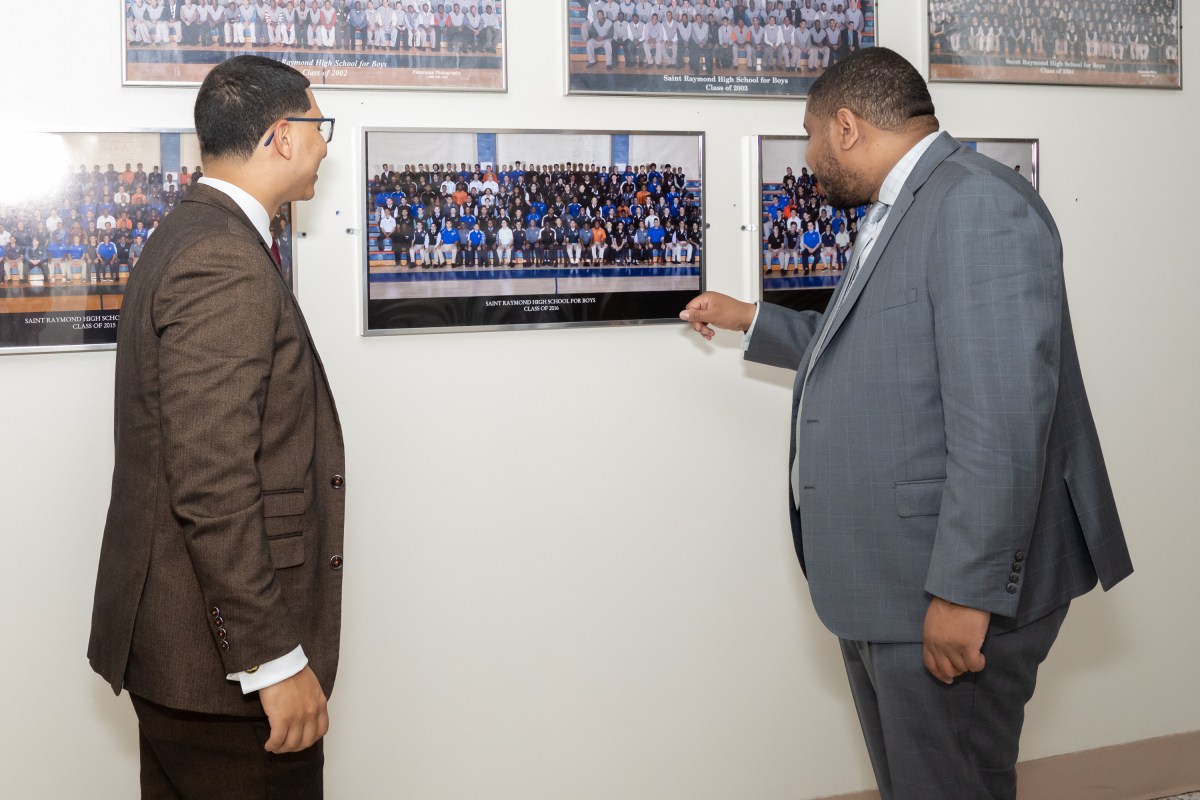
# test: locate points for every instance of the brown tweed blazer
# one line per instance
(223, 545)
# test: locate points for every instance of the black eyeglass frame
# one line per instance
(317, 120)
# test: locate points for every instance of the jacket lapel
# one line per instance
(939, 150)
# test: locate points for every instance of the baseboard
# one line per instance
(1146, 770)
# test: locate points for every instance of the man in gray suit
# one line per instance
(948, 493)
(218, 597)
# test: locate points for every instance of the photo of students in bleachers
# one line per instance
(805, 243)
(407, 44)
(1082, 42)
(468, 214)
(729, 48)
(75, 226)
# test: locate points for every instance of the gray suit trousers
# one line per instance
(930, 741)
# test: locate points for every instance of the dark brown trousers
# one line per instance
(191, 756)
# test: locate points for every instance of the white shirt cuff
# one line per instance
(272, 672)
(750, 331)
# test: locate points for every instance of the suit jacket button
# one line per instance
(1013, 577)
(1019, 555)
(219, 621)
(1011, 588)
(221, 633)
(214, 611)
(337, 482)
(335, 563)
(1018, 566)
(224, 644)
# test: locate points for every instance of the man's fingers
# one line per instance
(946, 673)
(323, 726)
(930, 662)
(975, 661)
(279, 732)
(936, 664)
(296, 736)
(299, 733)
(948, 663)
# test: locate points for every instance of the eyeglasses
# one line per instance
(324, 126)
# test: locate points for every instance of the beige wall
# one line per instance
(569, 573)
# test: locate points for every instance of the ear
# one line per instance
(281, 142)
(846, 129)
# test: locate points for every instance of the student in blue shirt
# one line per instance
(656, 234)
(810, 247)
(56, 251)
(475, 239)
(448, 237)
(76, 251)
(106, 252)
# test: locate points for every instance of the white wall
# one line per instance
(395, 148)
(569, 573)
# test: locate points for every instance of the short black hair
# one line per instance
(877, 84)
(241, 98)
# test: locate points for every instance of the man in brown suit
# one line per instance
(218, 599)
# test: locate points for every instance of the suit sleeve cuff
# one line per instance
(272, 672)
(750, 331)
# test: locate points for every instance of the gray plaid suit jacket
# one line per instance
(946, 443)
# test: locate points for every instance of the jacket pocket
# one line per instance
(902, 298)
(920, 498)
(283, 512)
(285, 503)
(286, 550)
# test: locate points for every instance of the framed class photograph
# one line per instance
(76, 210)
(707, 48)
(805, 244)
(358, 44)
(487, 230)
(1082, 43)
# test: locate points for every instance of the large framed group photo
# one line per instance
(1082, 43)
(76, 211)
(481, 230)
(707, 48)
(361, 44)
(805, 244)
